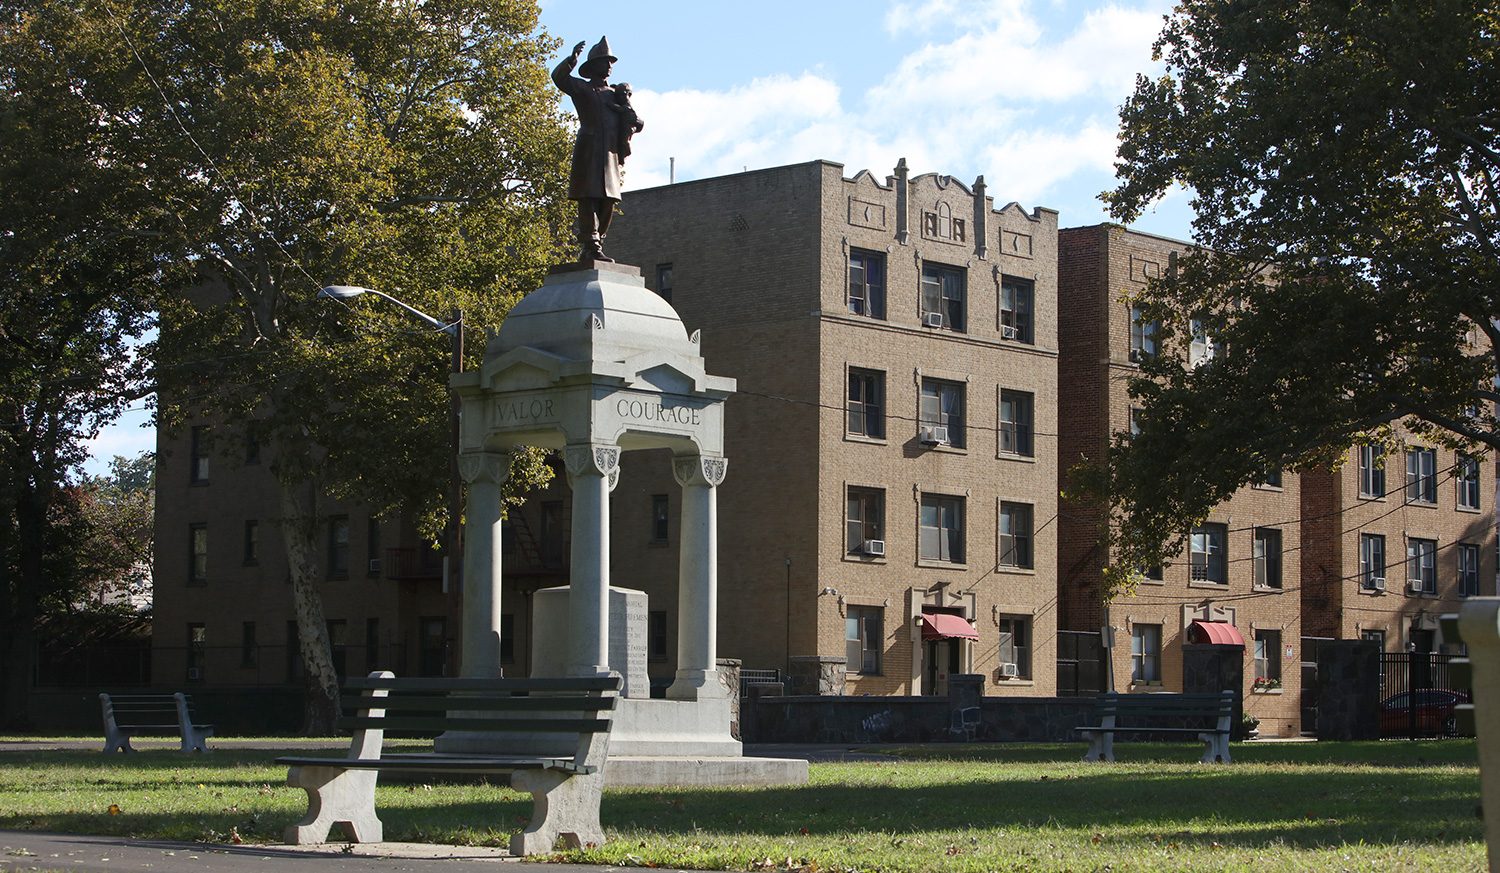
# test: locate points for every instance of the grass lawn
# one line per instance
(1309, 806)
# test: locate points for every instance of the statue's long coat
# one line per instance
(596, 159)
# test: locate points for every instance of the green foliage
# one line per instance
(1343, 163)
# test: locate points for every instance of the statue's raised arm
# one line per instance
(603, 134)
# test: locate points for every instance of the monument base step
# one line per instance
(651, 770)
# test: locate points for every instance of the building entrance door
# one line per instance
(941, 658)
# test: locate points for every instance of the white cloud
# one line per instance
(1029, 163)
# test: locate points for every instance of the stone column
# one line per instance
(590, 470)
(484, 472)
(698, 579)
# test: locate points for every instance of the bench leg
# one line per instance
(117, 742)
(1215, 748)
(195, 739)
(561, 806)
(335, 797)
(1101, 746)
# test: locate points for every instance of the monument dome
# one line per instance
(604, 315)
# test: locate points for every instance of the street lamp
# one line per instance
(453, 530)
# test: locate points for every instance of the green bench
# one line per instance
(572, 713)
(1209, 716)
(126, 715)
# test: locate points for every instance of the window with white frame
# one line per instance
(1015, 644)
(197, 554)
(1371, 471)
(1266, 556)
(1468, 570)
(942, 298)
(1015, 535)
(940, 417)
(1016, 303)
(1466, 475)
(1143, 334)
(1267, 659)
(1421, 564)
(198, 454)
(866, 403)
(1200, 345)
(338, 547)
(867, 283)
(1372, 560)
(1145, 653)
(941, 529)
(1421, 475)
(1208, 561)
(865, 520)
(862, 639)
(1015, 422)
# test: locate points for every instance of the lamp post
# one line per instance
(453, 530)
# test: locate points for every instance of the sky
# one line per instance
(1023, 92)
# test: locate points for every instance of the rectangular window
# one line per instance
(338, 547)
(867, 403)
(1272, 479)
(867, 283)
(507, 638)
(942, 529)
(1266, 554)
(940, 417)
(197, 651)
(1268, 655)
(942, 303)
(862, 639)
(1015, 535)
(249, 651)
(1143, 334)
(1421, 565)
(1468, 570)
(1016, 298)
(1467, 476)
(373, 566)
(338, 638)
(865, 521)
(1201, 345)
(1421, 475)
(1135, 421)
(1015, 645)
(1145, 653)
(656, 635)
(252, 542)
(372, 644)
(198, 455)
(197, 554)
(660, 518)
(664, 282)
(554, 534)
(1015, 422)
(1372, 560)
(1371, 471)
(1209, 563)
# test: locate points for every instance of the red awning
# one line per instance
(1218, 632)
(946, 626)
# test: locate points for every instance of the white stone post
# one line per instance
(590, 469)
(484, 472)
(698, 579)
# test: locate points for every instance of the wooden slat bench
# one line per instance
(565, 789)
(126, 715)
(1209, 715)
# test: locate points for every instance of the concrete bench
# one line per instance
(126, 715)
(1209, 717)
(565, 789)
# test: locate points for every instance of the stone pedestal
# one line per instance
(627, 636)
(822, 675)
(1348, 690)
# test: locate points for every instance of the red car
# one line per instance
(1434, 711)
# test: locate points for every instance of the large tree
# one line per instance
(412, 147)
(86, 247)
(1343, 161)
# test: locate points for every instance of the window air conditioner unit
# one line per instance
(1377, 583)
(374, 566)
(935, 435)
(1136, 356)
(194, 674)
(934, 319)
(873, 547)
(1008, 331)
(1010, 671)
(1414, 586)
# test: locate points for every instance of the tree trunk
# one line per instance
(299, 524)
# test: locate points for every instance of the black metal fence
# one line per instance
(1418, 695)
(1080, 663)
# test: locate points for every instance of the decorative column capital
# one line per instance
(700, 470)
(488, 467)
(592, 459)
